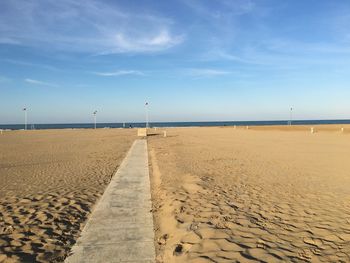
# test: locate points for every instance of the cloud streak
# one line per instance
(6, 40)
(84, 26)
(120, 73)
(29, 64)
(40, 83)
(147, 43)
(200, 72)
(283, 53)
(225, 9)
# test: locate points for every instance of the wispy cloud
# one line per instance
(283, 45)
(6, 40)
(200, 72)
(278, 52)
(120, 73)
(224, 8)
(85, 26)
(244, 33)
(40, 83)
(147, 43)
(221, 54)
(29, 64)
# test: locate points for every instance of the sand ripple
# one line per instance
(240, 202)
(49, 182)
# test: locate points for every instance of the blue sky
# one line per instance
(192, 60)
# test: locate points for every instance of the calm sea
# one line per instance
(167, 124)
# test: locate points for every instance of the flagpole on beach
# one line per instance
(25, 118)
(291, 116)
(147, 115)
(95, 112)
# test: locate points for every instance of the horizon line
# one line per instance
(154, 122)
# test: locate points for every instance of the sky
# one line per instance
(191, 60)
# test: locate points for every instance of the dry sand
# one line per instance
(49, 181)
(265, 194)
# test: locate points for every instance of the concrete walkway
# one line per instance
(120, 228)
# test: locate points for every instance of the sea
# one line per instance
(167, 124)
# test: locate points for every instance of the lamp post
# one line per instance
(95, 112)
(147, 115)
(25, 118)
(291, 116)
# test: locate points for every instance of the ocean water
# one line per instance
(168, 124)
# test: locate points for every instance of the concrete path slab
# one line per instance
(120, 229)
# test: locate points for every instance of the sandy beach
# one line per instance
(219, 194)
(49, 182)
(270, 194)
